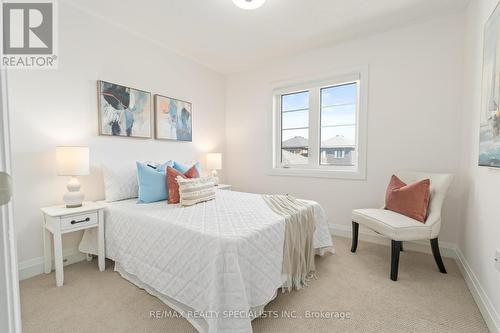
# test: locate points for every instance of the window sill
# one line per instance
(318, 173)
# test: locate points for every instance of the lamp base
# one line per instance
(74, 197)
(215, 177)
(74, 206)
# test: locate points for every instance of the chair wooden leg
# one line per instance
(437, 255)
(395, 249)
(355, 232)
(402, 250)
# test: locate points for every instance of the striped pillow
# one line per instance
(195, 190)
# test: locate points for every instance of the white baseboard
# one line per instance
(490, 315)
(34, 267)
(446, 249)
(449, 250)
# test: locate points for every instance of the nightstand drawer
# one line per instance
(77, 221)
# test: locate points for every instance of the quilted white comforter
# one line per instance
(222, 257)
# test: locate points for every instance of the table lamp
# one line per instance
(214, 163)
(73, 161)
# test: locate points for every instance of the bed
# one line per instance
(217, 263)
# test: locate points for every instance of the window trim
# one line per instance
(357, 74)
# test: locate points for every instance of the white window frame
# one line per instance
(314, 85)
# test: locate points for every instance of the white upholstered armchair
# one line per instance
(401, 228)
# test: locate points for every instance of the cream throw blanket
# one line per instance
(298, 250)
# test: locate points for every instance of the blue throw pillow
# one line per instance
(182, 168)
(152, 182)
(163, 167)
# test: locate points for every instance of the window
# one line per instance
(338, 124)
(295, 128)
(320, 127)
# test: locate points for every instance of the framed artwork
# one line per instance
(173, 119)
(489, 137)
(123, 111)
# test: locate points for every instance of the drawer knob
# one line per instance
(85, 220)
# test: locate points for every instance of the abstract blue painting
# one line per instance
(173, 119)
(489, 139)
(124, 111)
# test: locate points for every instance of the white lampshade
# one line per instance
(214, 161)
(73, 161)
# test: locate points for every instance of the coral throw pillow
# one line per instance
(409, 200)
(173, 186)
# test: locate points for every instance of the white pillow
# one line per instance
(195, 190)
(120, 183)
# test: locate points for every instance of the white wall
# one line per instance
(480, 233)
(59, 107)
(413, 116)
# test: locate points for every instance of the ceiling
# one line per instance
(228, 39)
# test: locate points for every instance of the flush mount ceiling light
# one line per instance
(249, 4)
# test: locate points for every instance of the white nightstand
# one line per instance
(60, 220)
(224, 187)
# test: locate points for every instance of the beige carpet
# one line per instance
(423, 300)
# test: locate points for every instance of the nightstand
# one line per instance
(224, 187)
(60, 220)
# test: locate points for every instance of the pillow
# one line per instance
(152, 183)
(173, 186)
(183, 168)
(193, 191)
(163, 167)
(409, 200)
(120, 183)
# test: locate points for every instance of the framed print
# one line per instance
(489, 137)
(123, 111)
(173, 119)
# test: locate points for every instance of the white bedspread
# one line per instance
(222, 257)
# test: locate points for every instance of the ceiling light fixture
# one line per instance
(249, 4)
